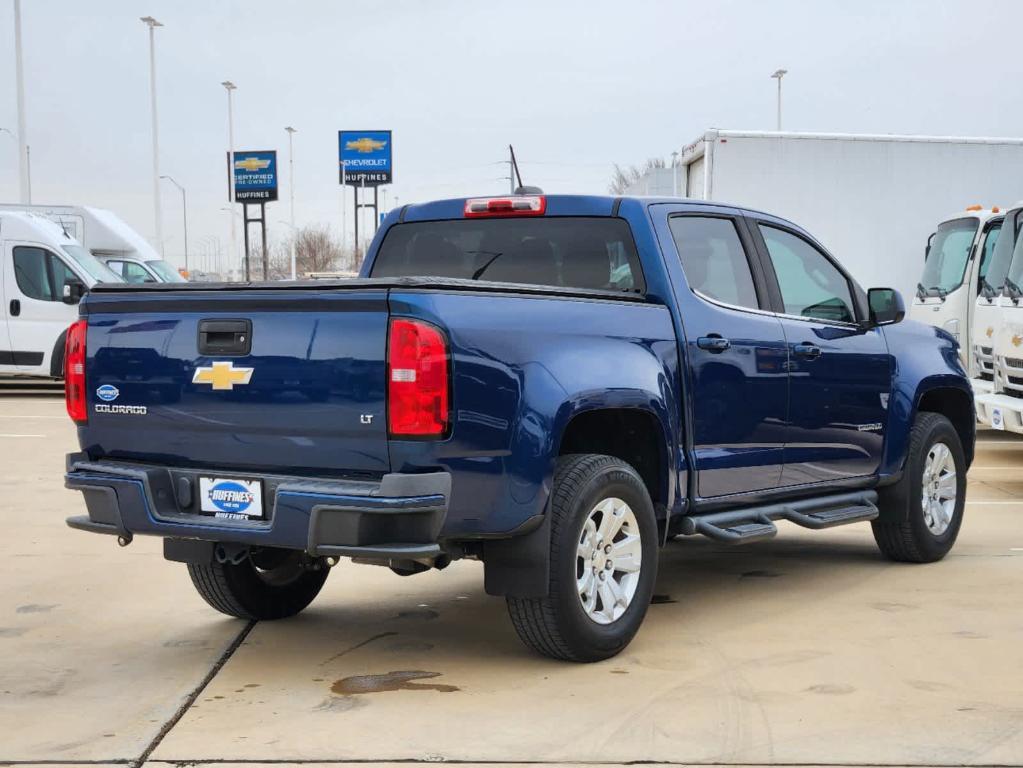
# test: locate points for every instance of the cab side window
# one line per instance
(714, 259)
(40, 274)
(32, 273)
(990, 239)
(135, 273)
(811, 286)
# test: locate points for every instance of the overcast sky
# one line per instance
(575, 86)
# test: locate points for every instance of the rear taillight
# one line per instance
(518, 205)
(418, 389)
(74, 372)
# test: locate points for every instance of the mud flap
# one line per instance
(519, 566)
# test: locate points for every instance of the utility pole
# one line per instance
(778, 75)
(24, 177)
(291, 185)
(229, 87)
(152, 23)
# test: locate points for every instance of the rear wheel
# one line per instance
(267, 584)
(603, 562)
(922, 513)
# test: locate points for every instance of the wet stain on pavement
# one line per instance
(662, 599)
(759, 575)
(35, 608)
(392, 681)
(340, 704)
(12, 631)
(831, 689)
(419, 614)
(358, 645)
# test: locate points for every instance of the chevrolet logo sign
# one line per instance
(222, 375)
(252, 164)
(365, 145)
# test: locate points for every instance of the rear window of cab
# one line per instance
(595, 253)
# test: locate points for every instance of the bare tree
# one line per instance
(623, 178)
(316, 250)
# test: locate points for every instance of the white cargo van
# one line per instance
(958, 256)
(109, 239)
(43, 274)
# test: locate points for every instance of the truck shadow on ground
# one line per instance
(700, 583)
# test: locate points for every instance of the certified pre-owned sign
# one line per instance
(364, 157)
(255, 176)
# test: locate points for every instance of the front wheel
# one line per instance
(603, 562)
(922, 513)
(267, 584)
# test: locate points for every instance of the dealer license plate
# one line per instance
(231, 498)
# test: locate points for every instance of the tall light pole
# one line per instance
(27, 200)
(24, 178)
(229, 87)
(291, 184)
(778, 75)
(674, 174)
(184, 214)
(152, 23)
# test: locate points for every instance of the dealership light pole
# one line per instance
(28, 164)
(24, 174)
(152, 23)
(184, 214)
(291, 184)
(778, 75)
(229, 87)
(674, 174)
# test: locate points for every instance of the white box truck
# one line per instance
(109, 239)
(872, 200)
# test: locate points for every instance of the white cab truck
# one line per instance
(871, 199)
(43, 274)
(109, 239)
(957, 259)
(999, 332)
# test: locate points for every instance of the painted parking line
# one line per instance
(5, 434)
(994, 502)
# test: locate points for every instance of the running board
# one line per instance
(736, 526)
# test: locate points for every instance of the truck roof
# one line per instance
(30, 222)
(99, 229)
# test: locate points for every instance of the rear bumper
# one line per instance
(399, 516)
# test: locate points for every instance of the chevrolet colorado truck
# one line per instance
(553, 385)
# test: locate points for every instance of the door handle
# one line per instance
(15, 307)
(713, 343)
(807, 350)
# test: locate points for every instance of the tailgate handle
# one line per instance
(225, 337)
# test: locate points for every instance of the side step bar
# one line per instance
(736, 526)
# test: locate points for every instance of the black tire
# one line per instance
(901, 532)
(557, 625)
(268, 584)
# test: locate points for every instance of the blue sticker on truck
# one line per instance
(107, 393)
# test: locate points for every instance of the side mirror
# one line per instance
(74, 290)
(886, 306)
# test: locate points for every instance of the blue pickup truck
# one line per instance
(553, 385)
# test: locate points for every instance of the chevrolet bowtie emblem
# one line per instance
(222, 375)
(252, 164)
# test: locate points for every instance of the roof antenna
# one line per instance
(521, 189)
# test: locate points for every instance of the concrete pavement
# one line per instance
(806, 649)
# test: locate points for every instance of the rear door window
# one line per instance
(568, 252)
(714, 260)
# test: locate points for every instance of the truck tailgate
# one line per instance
(172, 378)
